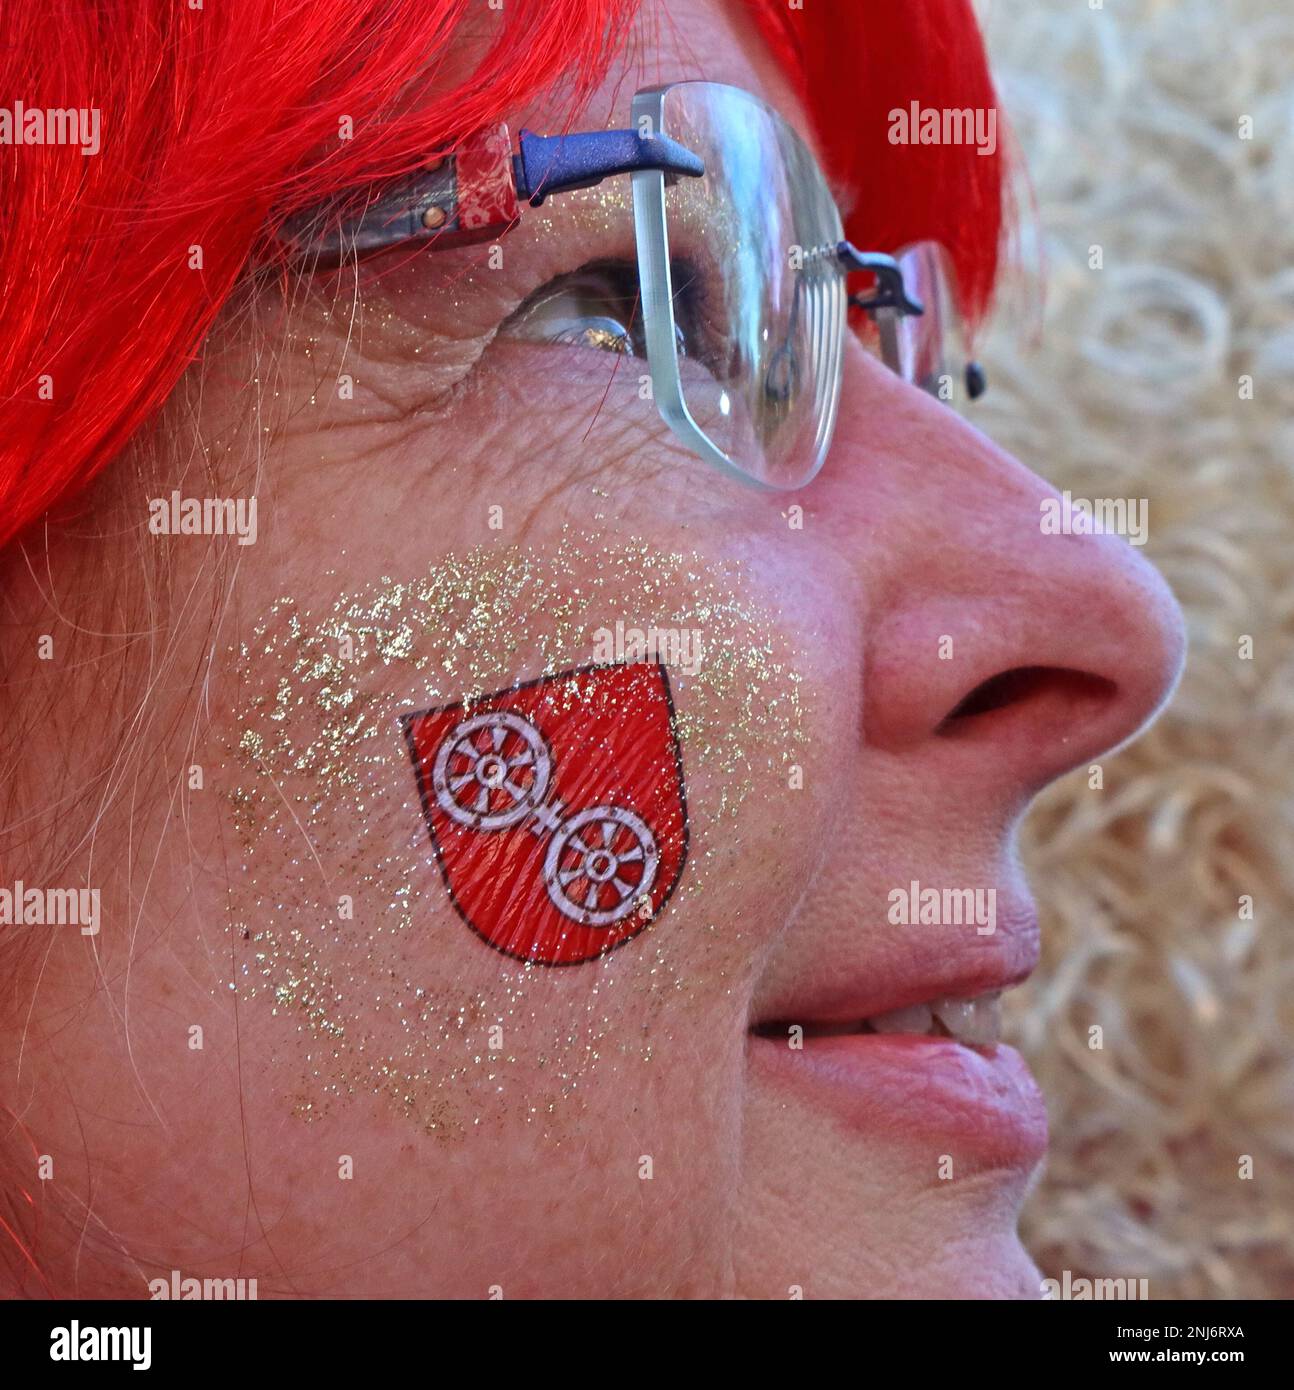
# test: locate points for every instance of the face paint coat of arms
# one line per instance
(556, 808)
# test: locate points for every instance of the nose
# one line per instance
(1016, 649)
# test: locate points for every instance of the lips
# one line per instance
(909, 1047)
(889, 971)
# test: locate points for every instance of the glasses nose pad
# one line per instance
(782, 379)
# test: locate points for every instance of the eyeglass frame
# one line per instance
(476, 193)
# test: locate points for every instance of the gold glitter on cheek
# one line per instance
(338, 915)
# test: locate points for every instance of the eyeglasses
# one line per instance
(742, 266)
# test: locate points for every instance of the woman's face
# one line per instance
(867, 682)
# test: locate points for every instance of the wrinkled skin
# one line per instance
(166, 1157)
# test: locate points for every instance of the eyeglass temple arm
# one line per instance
(889, 302)
(551, 164)
(890, 291)
(475, 194)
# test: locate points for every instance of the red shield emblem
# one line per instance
(556, 809)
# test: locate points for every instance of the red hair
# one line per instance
(214, 119)
(854, 62)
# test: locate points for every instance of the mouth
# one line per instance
(974, 1022)
(909, 1049)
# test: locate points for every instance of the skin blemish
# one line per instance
(340, 922)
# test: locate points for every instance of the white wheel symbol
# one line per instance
(599, 865)
(491, 771)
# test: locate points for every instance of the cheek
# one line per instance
(511, 834)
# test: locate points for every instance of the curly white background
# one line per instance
(1130, 383)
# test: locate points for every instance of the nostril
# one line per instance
(1025, 684)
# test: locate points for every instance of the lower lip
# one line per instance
(983, 1099)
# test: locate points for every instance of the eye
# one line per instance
(596, 306)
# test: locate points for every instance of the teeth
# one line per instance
(976, 1021)
(916, 1018)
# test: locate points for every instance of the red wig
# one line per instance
(114, 265)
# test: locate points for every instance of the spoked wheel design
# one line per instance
(492, 771)
(600, 864)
